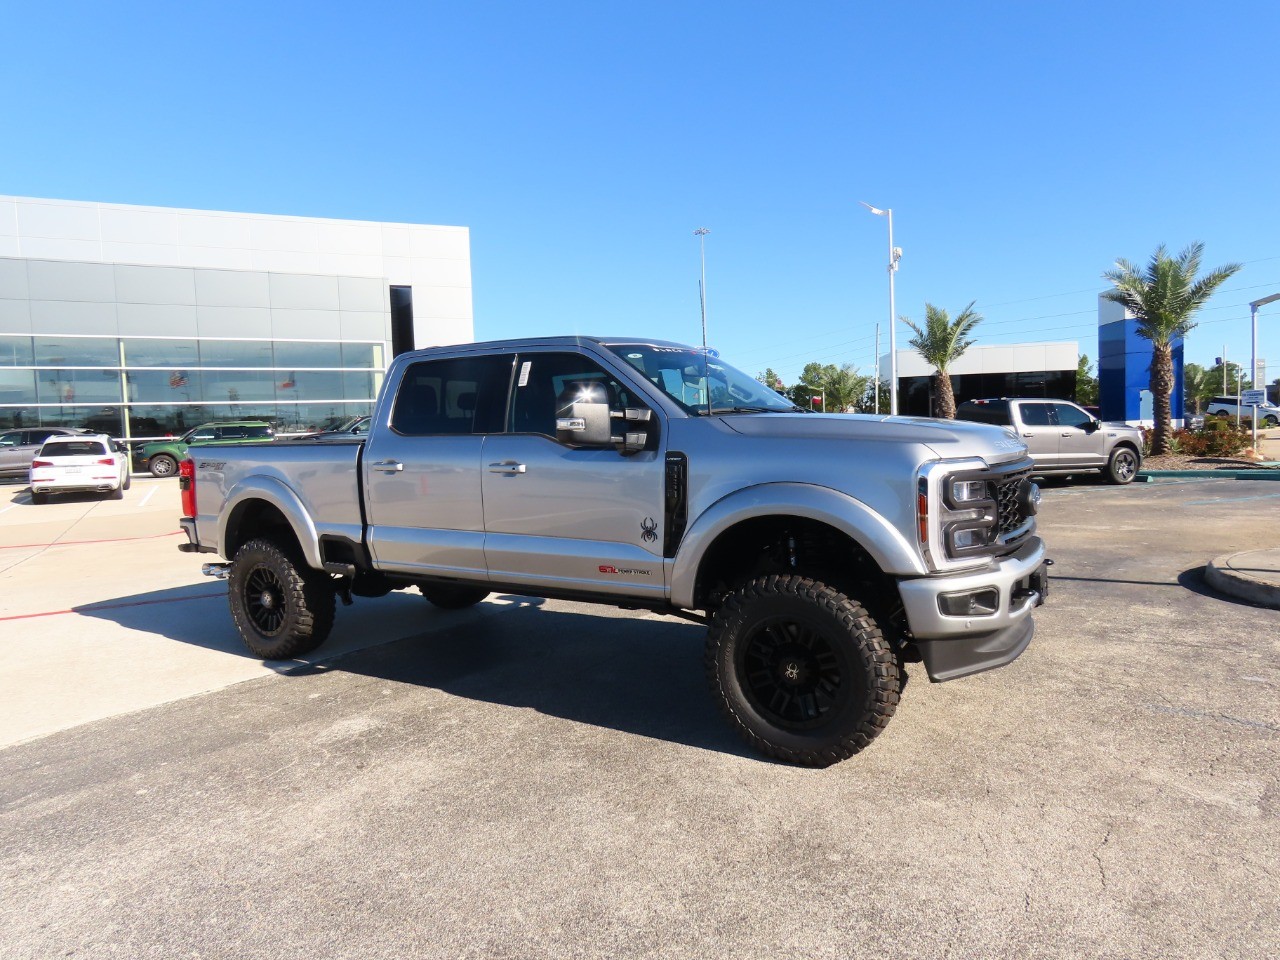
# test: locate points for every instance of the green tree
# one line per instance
(1086, 383)
(1164, 298)
(942, 341)
(1197, 386)
(841, 388)
(770, 379)
(1235, 380)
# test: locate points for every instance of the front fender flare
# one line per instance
(276, 493)
(883, 542)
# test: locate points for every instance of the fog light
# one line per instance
(969, 538)
(973, 603)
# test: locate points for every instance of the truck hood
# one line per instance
(948, 439)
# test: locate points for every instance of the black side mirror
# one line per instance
(582, 415)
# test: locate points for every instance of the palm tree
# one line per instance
(1196, 385)
(941, 342)
(1164, 297)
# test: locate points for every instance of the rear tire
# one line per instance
(117, 493)
(1123, 466)
(281, 607)
(448, 596)
(128, 480)
(801, 670)
(162, 465)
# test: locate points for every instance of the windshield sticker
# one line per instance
(524, 373)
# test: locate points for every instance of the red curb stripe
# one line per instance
(70, 543)
(108, 606)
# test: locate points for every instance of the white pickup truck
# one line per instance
(824, 551)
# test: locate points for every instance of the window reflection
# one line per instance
(77, 351)
(16, 352)
(161, 353)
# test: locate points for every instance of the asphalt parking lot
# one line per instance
(545, 779)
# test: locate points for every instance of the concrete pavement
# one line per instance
(1252, 575)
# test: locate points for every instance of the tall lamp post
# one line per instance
(701, 234)
(895, 254)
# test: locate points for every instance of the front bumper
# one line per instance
(957, 646)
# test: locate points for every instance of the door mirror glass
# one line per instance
(583, 418)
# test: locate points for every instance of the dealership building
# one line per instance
(144, 321)
(1001, 370)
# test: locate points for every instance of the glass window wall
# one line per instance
(293, 354)
(78, 386)
(77, 351)
(16, 352)
(161, 353)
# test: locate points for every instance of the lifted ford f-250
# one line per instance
(824, 551)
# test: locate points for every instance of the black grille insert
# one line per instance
(1011, 502)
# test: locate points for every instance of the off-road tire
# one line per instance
(809, 643)
(1123, 466)
(448, 596)
(282, 608)
(39, 499)
(162, 465)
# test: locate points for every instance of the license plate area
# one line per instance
(1036, 583)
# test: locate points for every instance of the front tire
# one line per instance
(1123, 466)
(801, 670)
(281, 607)
(1270, 421)
(448, 596)
(162, 465)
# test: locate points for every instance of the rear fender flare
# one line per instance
(885, 544)
(276, 493)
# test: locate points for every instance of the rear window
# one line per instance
(987, 411)
(73, 448)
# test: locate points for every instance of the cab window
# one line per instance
(1072, 416)
(543, 378)
(1035, 414)
(464, 395)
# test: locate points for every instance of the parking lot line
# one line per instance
(148, 497)
(71, 543)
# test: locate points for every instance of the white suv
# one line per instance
(1268, 413)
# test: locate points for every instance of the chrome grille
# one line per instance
(1009, 509)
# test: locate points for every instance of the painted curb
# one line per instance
(1219, 574)
(1247, 474)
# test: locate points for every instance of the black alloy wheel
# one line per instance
(264, 600)
(792, 673)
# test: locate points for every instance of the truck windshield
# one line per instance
(694, 379)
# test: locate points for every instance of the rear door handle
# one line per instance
(1028, 434)
(388, 466)
(1066, 434)
(509, 467)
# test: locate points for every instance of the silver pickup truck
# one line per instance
(822, 551)
(1063, 438)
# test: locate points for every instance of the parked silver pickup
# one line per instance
(1063, 438)
(823, 551)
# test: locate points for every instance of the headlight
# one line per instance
(967, 491)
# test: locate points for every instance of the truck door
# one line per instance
(566, 517)
(422, 470)
(1038, 432)
(1080, 444)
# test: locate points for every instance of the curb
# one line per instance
(1224, 578)
(1146, 476)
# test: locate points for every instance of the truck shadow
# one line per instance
(636, 675)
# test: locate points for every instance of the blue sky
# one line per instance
(1022, 146)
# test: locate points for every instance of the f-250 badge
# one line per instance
(649, 529)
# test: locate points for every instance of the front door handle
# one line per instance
(1028, 434)
(388, 466)
(1066, 434)
(509, 467)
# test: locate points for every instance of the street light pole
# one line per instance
(701, 234)
(877, 376)
(895, 254)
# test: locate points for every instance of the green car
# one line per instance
(162, 456)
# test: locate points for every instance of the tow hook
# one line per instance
(219, 570)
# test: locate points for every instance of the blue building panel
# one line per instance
(1124, 371)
